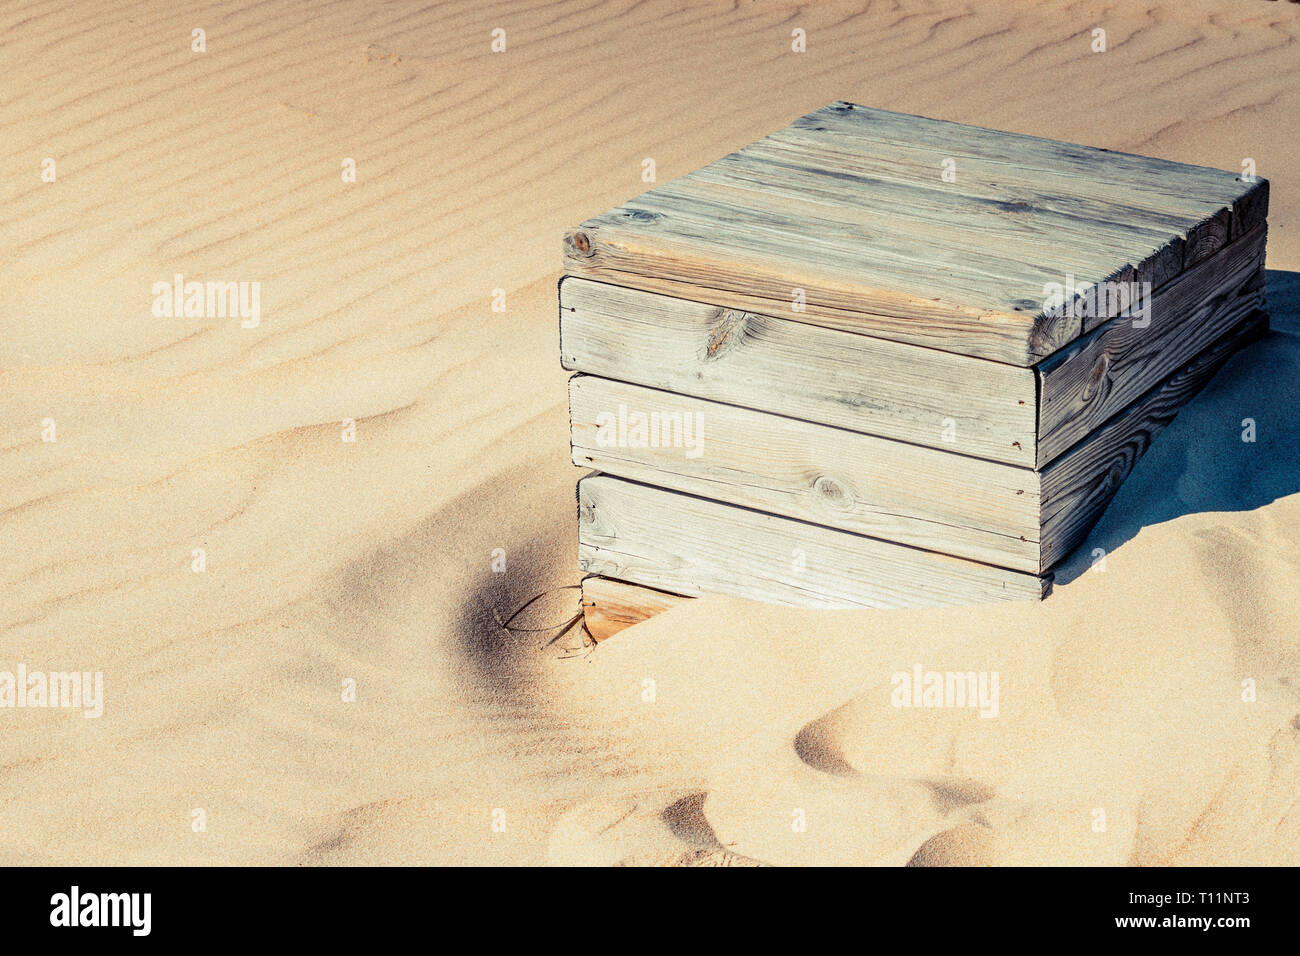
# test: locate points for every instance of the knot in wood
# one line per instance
(726, 333)
(1097, 378)
(641, 215)
(578, 243)
(832, 494)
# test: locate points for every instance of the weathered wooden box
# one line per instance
(880, 360)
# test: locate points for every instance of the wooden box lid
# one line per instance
(846, 219)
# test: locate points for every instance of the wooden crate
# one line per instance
(897, 410)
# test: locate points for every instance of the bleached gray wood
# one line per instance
(848, 205)
(1077, 487)
(1150, 185)
(827, 376)
(693, 546)
(1078, 233)
(886, 489)
(1100, 185)
(916, 304)
(1083, 386)
(892, 490)
(1250, 210)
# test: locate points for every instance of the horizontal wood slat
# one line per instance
(965, 405)
(688, 545)
(846, 219)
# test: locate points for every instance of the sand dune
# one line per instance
(372, 561)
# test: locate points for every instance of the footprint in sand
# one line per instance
(657, 828)
(816, 801)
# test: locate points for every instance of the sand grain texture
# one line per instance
(372, 560)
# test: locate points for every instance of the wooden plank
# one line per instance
(873, 486)
(960, 404)
(693, 546)
(848, 207)
(1111, 367)
(610, 606)
(1040, 235)
(1077, 487)
(1079, 225)
(1205, 239)
(679, 249)
(1197, 217)
(1158, 193)
(1251, 209)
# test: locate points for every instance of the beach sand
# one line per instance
(1148, 712)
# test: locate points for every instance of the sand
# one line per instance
(721, 732)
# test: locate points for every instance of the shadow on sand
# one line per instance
(1201, 462)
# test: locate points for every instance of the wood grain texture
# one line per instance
(1077, 487)
(693, 546)
(1086, 384)
(873, 486)
(1250, 210)
(371, 559)
(823, 375)
(610, 606)
(848, 206)
(891, 490)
